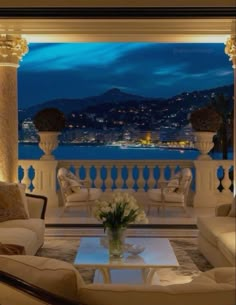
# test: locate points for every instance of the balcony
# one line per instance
(212, 184)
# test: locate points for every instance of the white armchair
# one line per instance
(173, 192)
(76, 192)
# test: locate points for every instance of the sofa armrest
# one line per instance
(17, 291)
(223, 209)
(37, 205)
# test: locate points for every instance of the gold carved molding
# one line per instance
(12, 49)
(230, 49)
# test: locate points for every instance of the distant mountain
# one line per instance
(67, 105)
(115, 95)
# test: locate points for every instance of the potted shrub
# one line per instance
(49, 123)
(205, 123)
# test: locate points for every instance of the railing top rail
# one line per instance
(166, 162)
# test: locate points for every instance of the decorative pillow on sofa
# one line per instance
(12, 205)
(232, 212)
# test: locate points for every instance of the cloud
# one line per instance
(64, 56)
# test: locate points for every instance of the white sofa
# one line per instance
(216, 238)
(28, 233)
(214, 287)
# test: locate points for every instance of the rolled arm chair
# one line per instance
(172, 193)
(76, 192)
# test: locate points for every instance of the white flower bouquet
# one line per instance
(119, 212)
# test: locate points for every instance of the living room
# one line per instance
(198, 251)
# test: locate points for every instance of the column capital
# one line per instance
(12, 49)
(230, 49)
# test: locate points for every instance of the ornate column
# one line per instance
(12, 48)
(230, 50)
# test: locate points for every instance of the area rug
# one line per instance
(191, 261)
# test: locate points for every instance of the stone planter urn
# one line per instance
(205, 123)
(204, 143)
(49, 122)
(48, 143)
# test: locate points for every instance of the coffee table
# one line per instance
(158, 253)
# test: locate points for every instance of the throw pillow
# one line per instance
(184, 182)
(232, 212)
(72, 176)
(172, 185)
(65, 185)
(11, 202)
(75, 185)
(76, 189)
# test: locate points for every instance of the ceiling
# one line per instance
(73, 20)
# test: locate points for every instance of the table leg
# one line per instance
(106, 275)
(148, 278)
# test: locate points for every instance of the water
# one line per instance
(77, 152)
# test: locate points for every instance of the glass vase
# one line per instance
(116, 242)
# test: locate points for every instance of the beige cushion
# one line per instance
(172, 185)
(76, 188)
(173, 197)
(20, 236)
(84, 195)
(154, 194)
(184, 182)
(34, 224)
(56, 276)
(12, 202)
(232, 212)
(212, 227)
(65, 185)
(226, 244)
(216, 287)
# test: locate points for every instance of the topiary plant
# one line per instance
(49, 119)
(205, 119)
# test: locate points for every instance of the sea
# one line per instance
(103, 152)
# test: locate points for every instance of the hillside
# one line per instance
(114, 99)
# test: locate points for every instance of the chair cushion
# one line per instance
(69, 182)
(20, 236)
(53, 275)
(84, 195)
(13, 202)
(212, 227)
(65, 185)
(183, 184)
(34, 224)
(172, 185)
(174, 197)
(232, 212)
(226, 244)
(209, 288)
(154, 194)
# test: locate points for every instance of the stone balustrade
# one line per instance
(212, 179)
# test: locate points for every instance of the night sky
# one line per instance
(75, 70)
